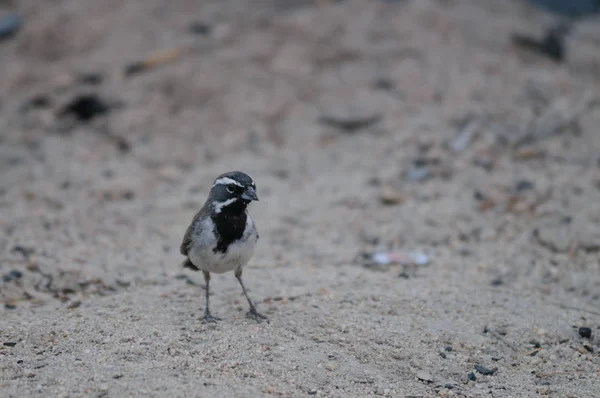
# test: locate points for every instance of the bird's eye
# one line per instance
(230, 188)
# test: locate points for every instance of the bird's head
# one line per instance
(232, 192)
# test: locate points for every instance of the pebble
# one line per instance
(497, 282)
(585, 332)
(86, 107)
(472, 376)
(351, 119)
(424, 376)
(417, 174)
(485, 371)
(390, 195)
(10, 25)
(524, 185)
(9, 344)
(200, 28)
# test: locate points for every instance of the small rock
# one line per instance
(350, 119)
(465, 137)
(312, 392)
(472, 376)
(91, 78)
(417, 174)
(497, 282)
(25, 251)
(524, 185)
(10, 25)
(9, 343)
(585, 332)
(390, 195)
(424, 376)
(10, 306)
(200, 28)
(74, 304)
(85, 107)
(485, 371)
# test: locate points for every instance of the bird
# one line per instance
(222, 236)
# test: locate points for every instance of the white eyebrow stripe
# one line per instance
(227, 181)
(218, 206)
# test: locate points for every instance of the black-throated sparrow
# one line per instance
(222, 235)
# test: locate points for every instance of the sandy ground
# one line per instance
(484, 157)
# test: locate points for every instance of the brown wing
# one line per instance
(186, 244)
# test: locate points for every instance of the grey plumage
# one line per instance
(222, 236)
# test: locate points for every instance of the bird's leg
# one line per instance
(208, 318)
(252, 313)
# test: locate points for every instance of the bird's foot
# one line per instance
(208, 318)
(253, 314)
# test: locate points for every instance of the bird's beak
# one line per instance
(249, 194)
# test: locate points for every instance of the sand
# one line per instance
(369, 127)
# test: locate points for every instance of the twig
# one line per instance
(572, 307)
(564, 373)
(499, 337)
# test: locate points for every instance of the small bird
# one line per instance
(222, 235)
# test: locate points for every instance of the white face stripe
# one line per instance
(227, 181)
(218, 206)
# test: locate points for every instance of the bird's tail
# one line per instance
(188, 264)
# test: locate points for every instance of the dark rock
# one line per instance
(10, 25)
(485, 371)
(12, 276)
(9, 306)
(472, 376)
(585, 332)
(86, 107)
(551, 45)
(570, 8)
(200, 28)
(478, 196)
(10, 343)
(38, 101)
(25, 251)
(91, 78)
(384, 84)
(524, 185)
(497, 282)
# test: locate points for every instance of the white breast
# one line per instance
(237, 255)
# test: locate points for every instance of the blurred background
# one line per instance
(447, 142)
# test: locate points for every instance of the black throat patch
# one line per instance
(228, 228)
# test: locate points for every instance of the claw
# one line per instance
(208, 318)
(253, 314)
